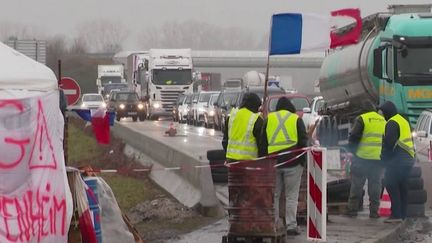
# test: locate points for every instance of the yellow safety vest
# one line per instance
(242, 144)
(281, 130)
(371, 141)
(405, 139)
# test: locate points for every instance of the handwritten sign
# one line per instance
(35, 200)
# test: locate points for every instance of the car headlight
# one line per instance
(211, 113)
(83, 105)
(140, 106)
(200, 109)
(103, 105)
(122, 106)
(156, 105)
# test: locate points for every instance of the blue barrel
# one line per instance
(93, 199)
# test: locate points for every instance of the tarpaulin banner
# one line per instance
(35, 200)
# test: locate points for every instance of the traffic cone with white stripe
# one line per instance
(385, 205)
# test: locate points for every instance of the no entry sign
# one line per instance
(71, 89)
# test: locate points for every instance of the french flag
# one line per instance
(101, 121)
(294, 33)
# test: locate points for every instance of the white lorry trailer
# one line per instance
(168, 73)
(108, 75)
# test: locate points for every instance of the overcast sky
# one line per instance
(62, 16)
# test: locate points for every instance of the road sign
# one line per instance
(71, 89)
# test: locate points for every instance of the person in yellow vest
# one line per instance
(243, 129)
(284, 130)
(399, 155)
(365, 142)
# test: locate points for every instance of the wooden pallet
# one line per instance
(337, 208)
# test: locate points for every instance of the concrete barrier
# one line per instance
(191, 187)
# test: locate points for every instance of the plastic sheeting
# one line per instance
(114, 229)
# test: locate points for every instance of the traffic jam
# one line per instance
(323, 137)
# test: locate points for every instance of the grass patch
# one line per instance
(130, 191)
(83, 149)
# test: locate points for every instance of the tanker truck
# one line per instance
(393, 61)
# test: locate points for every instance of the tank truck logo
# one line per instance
(386, 90)
(419, 94)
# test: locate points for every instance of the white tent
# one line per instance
(31, 151)
(19, 72)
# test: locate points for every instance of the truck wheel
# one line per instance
(415, 183)
(415, 210)
(134, 118)
(118, 118)
(142, 118)
(417, 196)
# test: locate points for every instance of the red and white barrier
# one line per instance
(317, 196)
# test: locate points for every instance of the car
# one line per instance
(114, 87)
(127, 104)
(198, 108)
(311, 114)
(209, 111)
(183, 108)
(422, 135)
(177, 104)
(299, 101)
(259, 90)
(226, 100)
(92, 101)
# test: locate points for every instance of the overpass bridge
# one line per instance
(299, 70)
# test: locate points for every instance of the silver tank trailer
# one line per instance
(345, 81)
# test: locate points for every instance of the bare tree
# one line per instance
(12, 30)
(196, 35)
(78, 46)
(103, 35)
(56, 49)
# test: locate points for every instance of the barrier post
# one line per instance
(317, 194)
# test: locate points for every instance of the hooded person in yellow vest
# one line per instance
(284, 130)
(399, 155)
(243, 129)
(365, 141)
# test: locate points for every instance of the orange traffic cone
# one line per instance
(385, 205)
(172, 131)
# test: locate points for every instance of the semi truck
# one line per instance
(134, 70)
(107, 75)
(392, 62)
(167, 74)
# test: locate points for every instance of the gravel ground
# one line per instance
(417, 230)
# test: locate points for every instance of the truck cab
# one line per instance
(169, 73)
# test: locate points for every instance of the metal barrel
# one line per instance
(251, 187)
(93, 199)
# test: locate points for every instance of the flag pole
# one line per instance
(268, 63)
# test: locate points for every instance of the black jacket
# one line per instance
(392, 154)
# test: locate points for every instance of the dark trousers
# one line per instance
(360, 172)
(395, 179)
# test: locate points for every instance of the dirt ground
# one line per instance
(156, 215)
(417, 230)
